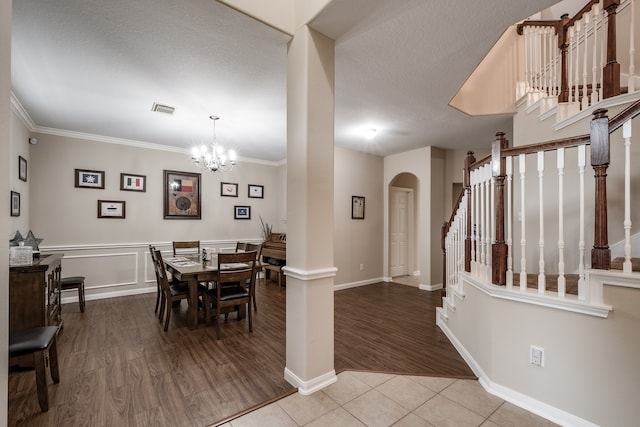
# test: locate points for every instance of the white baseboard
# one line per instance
(528, 403)
(435, 287)
(73, 298)
(311, 386)
(356, 284)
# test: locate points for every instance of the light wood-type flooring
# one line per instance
(118, 368)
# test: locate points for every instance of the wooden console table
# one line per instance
(34, 293)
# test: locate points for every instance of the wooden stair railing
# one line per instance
(568, 30)
(598, 138)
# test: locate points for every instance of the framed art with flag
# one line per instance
(182, 195)
(131, 182)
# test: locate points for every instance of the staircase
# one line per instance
(527, 262)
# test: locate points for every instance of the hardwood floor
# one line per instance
(117, 366)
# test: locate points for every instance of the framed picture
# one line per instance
(256, 191)
(111, 209)
(182, 195)
(242, 212)
(357, 207)
(89, 179)
(15, 203)
(228, 189)
(22, 168)
(131, 182)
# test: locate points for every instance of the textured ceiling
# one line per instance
(96, 67)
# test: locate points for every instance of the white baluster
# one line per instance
(487, 223)
(577, 64)
(585, 97)
(556, 61)
(523, 236)
(561, 278)
(594, 70)
(527, 60)
(474, 215)
(582, 282)
(481, 229)
(543, 61)
(626, 134)
(509, 165)
(632, 51)
(571, 37)
(603, 50)
(476, 222)
(541, 277)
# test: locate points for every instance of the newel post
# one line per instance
(499, 248)
(563, 44)
(611, 71)
(600, 254)
(467, 188)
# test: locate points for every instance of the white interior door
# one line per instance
(399, 230)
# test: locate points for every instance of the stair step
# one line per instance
(616, 263)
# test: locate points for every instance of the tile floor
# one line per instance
(372, 399)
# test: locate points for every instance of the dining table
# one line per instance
(194, 270)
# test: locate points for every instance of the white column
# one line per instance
(310, 270)
(5, 220)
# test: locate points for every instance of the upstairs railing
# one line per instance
(485, 238)
(574, 61)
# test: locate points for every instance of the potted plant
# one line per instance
(266, 229)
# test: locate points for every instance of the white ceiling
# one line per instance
(89, 67)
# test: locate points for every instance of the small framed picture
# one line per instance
(357, 207)
(228, 189)
(22, 168)
(131, 182)
(15, 203)
(89, 179)
(242, 212)
(256, 191)
(111, 209)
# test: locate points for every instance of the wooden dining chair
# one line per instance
(241, 247)
(186, 247)
(257, 248)
(170, 293)
(152, 251)
(234, 270)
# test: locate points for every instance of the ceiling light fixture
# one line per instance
(370, 133)
(213, 158)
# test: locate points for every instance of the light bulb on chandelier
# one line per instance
(213, 158)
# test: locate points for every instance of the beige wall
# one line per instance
(590, 367)
(112, 253)
(19, 147)
(358, 241)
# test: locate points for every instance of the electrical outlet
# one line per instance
(361, 267)
(536, 356)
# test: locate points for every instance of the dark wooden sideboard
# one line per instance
(34, 293)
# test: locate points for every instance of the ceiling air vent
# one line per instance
(160, 108)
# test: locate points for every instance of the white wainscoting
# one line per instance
(114, 270)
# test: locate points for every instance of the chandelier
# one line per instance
(213, 157)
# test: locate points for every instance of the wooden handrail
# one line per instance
(602, 127)
(611, 70)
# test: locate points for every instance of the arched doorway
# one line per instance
(402, 225)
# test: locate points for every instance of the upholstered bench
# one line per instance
(75, 282)
(36, 342)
